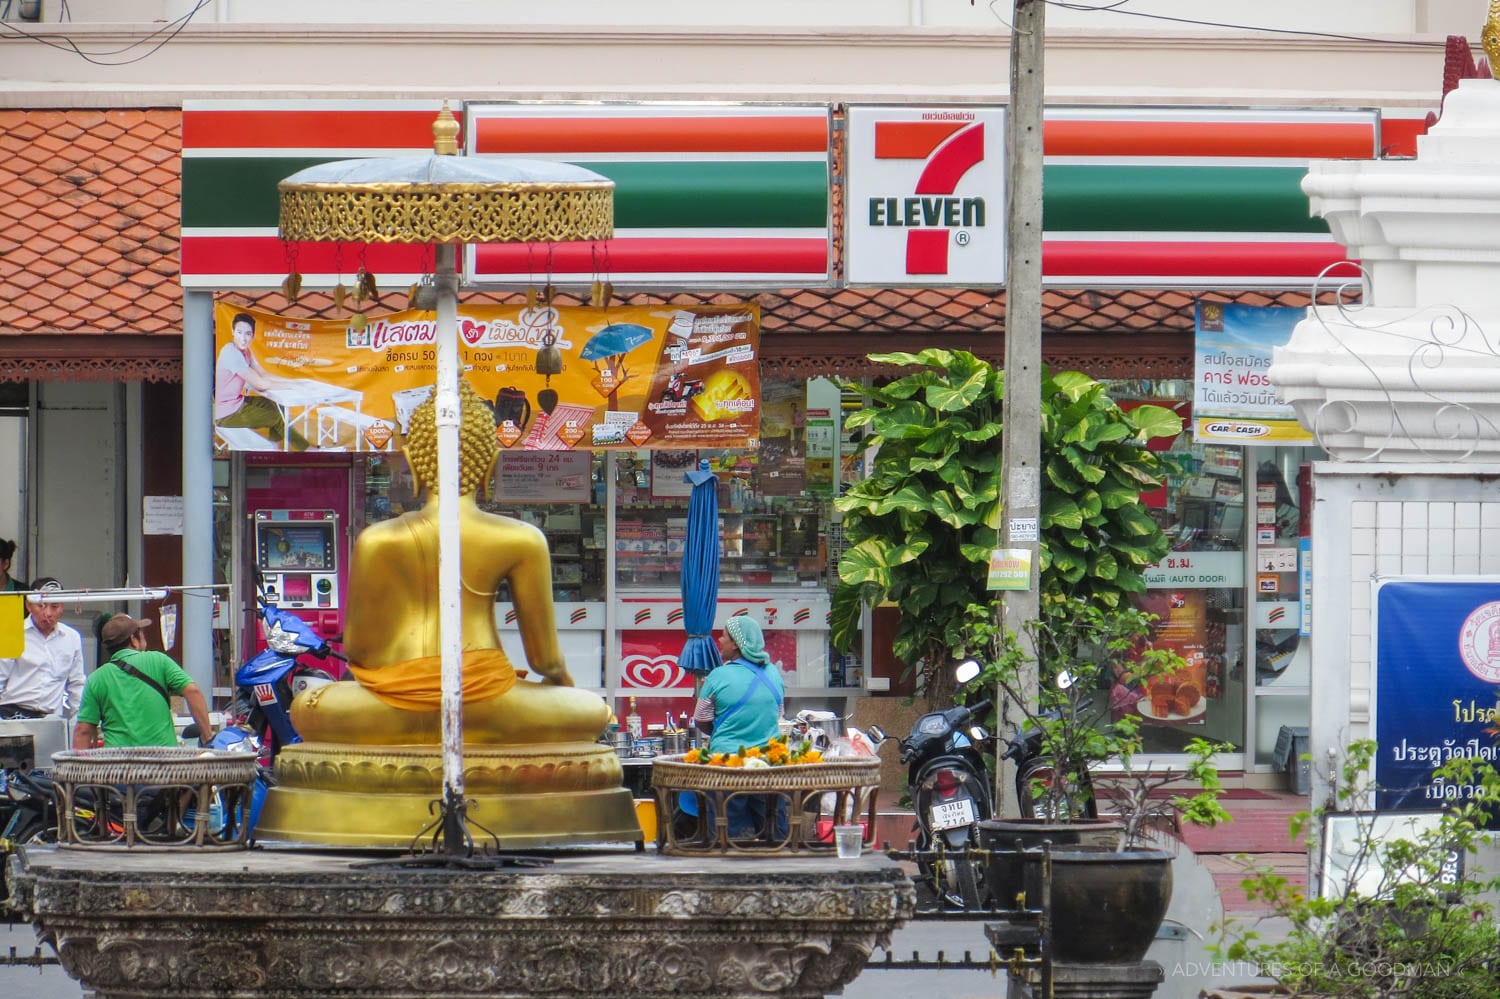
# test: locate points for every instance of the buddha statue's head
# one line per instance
(477, 449)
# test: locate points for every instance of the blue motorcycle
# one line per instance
(266, 685)
(264, 689)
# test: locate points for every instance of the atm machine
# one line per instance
(297, 553)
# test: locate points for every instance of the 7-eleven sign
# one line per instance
(925, 196)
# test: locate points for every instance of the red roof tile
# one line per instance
(89, 221)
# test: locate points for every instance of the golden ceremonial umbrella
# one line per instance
(444, 199)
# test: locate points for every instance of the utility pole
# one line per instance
(1020, 450)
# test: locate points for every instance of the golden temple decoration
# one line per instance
(1489, 38)
(445, 132)
(401, 212)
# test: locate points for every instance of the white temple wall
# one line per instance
(1375, 521)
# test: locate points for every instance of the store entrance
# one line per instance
(1232, 596)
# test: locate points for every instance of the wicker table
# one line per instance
(818, 796)
(101, 794)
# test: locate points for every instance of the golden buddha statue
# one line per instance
(371, 761)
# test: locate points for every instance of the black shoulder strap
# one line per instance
(127, 668)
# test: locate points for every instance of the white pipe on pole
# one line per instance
(450, 625)
(115, 595)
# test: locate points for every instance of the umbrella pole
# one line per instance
(453, 831)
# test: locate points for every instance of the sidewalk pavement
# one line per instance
(1257, 838)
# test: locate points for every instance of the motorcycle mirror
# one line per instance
(966, 670)
(875, 732)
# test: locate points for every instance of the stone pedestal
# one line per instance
(285, 923)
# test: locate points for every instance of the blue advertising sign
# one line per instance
(1437, 677)
(1234, 401)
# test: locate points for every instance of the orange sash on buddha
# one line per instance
(414, 685)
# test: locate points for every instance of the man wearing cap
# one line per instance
(46, 679)
(129, 696)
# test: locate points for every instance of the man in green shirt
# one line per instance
(128, 696)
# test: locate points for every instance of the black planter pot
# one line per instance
(1106, 905)
(1006, 840)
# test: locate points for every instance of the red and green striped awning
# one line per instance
(706, 196)
(233, 155)
(738, 196)
(1188, 198)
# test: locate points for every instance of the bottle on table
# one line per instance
(633, 723)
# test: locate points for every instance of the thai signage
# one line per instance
(556, 378)
(1437, 678)
(926, 196)
(1234, 401)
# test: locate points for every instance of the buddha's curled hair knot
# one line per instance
(477, 449)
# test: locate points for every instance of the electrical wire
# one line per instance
(171, 29)
(1118, 7)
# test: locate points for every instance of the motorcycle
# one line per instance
(266, 685)
(950, 794)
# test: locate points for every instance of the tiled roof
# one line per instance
(89, 221)
(89, 207)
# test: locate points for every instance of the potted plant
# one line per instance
(1393, 913)
(1109, 887)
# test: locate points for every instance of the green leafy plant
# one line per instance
(921, 527)
(1135, 795)
(1400, 923)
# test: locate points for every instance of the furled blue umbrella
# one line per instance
(700, 572)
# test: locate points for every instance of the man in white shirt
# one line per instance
(46, 679)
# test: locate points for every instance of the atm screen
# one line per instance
(283, 545)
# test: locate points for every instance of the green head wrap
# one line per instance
(746, 633)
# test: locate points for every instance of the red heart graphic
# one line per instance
(472, 332)
(658, 673)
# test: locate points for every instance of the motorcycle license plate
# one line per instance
(951, 814)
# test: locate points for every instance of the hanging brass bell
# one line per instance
(548, 357)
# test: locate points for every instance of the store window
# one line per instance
(1233, 595)
(1283, 594)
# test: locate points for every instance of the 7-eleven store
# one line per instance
(718, 204)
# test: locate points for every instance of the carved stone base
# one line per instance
(294, 924)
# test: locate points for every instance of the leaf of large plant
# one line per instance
(910, 497)
(867, 563)
(1060, 511)
(1155, 421)
(947, 398)
(844, 612)
(1136, 521)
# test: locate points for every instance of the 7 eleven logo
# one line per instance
(931, 175)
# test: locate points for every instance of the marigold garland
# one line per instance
(776, 753)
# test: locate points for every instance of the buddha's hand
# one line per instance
(558, 677)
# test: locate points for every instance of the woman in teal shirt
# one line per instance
(740, 707)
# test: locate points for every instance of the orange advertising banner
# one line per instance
(557, 378)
